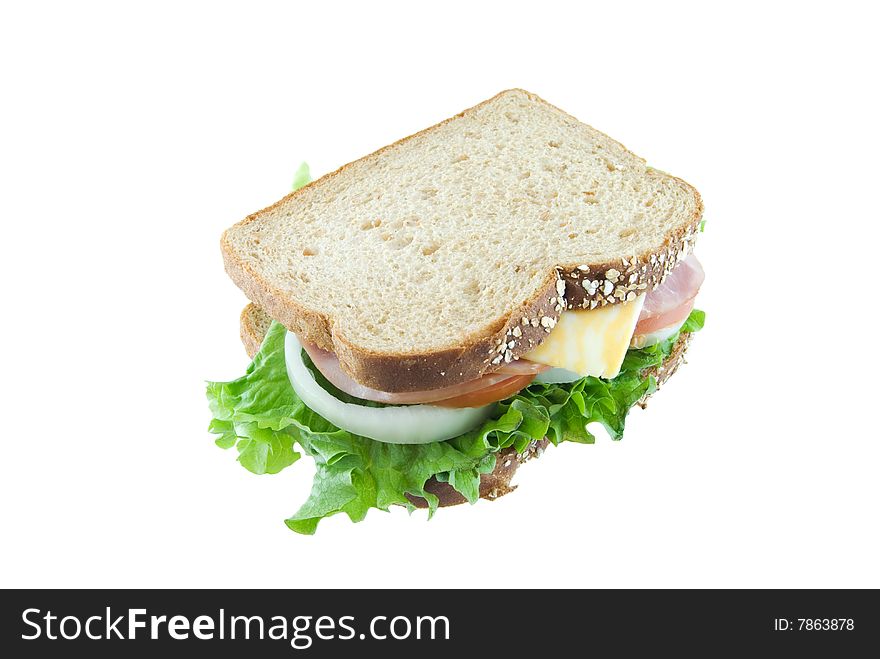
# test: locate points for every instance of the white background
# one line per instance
(132, 137)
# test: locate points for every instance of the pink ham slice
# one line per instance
(327, 363)
(522, 367)
(672, 301)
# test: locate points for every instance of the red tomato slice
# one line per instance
(499, 391)
(501, 380)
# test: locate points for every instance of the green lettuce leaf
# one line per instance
(301, 176)
(694, 322)
(262, 417)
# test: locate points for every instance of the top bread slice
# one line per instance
(437, 258)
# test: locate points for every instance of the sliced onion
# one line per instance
(557, 376)
(655, 337)
(407, 424)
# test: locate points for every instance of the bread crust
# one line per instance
(497, 483)
(253, 326)
(583, 286)
(492, 485)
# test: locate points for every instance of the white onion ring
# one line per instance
(557, 375)
(407, 424)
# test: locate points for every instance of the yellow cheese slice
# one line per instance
(590, 342)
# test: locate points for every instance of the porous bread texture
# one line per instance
(437, 258)
(253, 326)
(255, 323)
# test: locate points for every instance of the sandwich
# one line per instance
(427, 318)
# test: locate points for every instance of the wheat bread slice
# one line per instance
(437, 258)
(255, 323)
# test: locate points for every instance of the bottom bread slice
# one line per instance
(255, 323)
